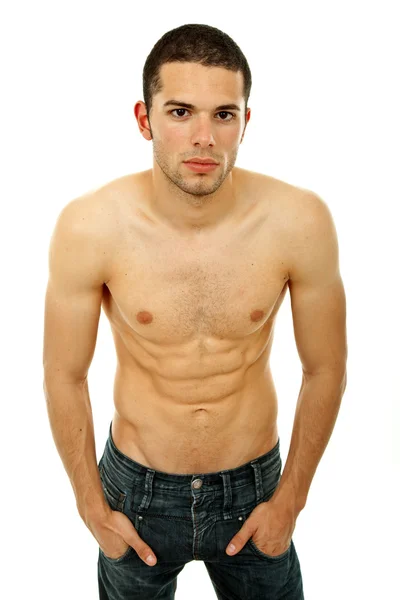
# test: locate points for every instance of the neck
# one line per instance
(191, 212)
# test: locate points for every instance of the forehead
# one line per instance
(187, 80)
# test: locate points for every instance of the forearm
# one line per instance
(71, 421)
(316, 412)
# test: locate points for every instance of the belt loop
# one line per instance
(258, 480)
(148, 490)
(226, 479)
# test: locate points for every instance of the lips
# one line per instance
(200, 167)
(205, 161)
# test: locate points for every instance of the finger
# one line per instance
(129, 534)
(141, 548)
(240, 539)
(120, 553)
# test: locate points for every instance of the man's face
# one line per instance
(180, 133)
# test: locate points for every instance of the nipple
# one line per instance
(144, 317)
(257, 315)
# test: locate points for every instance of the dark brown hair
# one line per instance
(198, 43)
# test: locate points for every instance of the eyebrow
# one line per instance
(192, 106)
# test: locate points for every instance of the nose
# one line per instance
(203, 134)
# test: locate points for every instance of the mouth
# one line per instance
(201, 167)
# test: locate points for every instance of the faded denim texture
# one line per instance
(193, 517)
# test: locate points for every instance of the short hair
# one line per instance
(197, 43)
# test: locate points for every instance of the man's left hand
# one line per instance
(270, 525)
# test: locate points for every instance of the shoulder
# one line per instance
(87, 226)
(85, 216)
(303, 213)
(98, 211)
(297, 208)
(312, 240)
(304, 222)
(275, 194)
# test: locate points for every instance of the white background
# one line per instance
(325, 116)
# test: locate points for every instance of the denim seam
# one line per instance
(168, 517)
(262, 554)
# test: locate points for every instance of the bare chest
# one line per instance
(222, 287)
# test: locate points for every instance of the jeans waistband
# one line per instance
(253, 471)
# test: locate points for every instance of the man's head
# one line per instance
(201, 66)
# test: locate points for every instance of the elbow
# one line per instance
(338, 374)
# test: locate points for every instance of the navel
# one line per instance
(144, 317)
(257, 315)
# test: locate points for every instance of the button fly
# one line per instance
(197, 483)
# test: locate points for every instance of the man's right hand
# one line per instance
(115, 533)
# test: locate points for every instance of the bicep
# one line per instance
(317, 293)
(73, 297)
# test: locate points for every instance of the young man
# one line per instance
(191, 263)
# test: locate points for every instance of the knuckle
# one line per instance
(144, 552)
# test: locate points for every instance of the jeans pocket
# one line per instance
(116, 500)
(262, 554)
(119, 558)
(251, 543)
(113, 494)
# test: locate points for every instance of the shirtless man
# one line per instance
(191, 266)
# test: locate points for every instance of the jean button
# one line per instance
(197, 483)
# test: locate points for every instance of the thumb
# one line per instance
(142, 549)
(240, 539)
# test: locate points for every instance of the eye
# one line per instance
(222, 112)
(175, 109)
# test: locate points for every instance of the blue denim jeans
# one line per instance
(193, 517)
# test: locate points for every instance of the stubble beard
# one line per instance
(199, 186)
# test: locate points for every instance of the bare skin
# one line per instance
(192, 317)
(191, 270)
(192, 320)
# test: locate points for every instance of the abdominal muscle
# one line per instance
(200, 428)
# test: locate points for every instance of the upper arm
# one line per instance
(316, 289)
(74, 293)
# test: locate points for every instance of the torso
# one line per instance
(192, 319)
